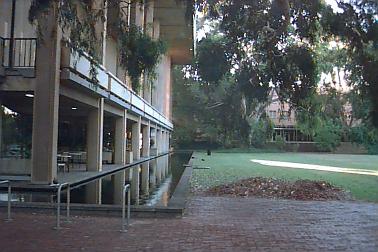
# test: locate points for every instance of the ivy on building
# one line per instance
(139, 53)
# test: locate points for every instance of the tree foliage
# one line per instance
(274, 43)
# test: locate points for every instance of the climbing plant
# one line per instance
(139, 53)
(78, 19)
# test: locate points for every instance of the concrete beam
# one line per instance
(117, 111)
(78, 95)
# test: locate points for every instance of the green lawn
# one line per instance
(229, 167)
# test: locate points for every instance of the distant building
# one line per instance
(283, 120)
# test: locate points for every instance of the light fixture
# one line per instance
(74, 108)
(29, 95)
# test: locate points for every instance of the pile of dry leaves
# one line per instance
(280, 189)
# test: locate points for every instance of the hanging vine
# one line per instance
(139, 53)
(78, 19)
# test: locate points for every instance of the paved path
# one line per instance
(211, 224)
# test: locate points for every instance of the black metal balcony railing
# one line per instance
(18, 52)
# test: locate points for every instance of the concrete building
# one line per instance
(50, 88)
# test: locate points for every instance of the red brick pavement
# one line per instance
(211, 224)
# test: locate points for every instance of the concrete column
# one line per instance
(169, 141)
(158, 141)
(146, 140)
(119, 156)
(1, 128)
(95, 137)
(135, 142)
(146, 153)
(119, 181)
(153, 173)
(137, 17)
(155, 90)
(166, 141)
(162, 84)
(153, 150)
(139, 14)
(167, 87)
(154, 135)
(149, 18)
(163, 147)
(136, 156)
(120, 139)
(94, 150)
(158, 171)
(100, 30)
(145, 183)
(166, 165)
(93, 192)
(149, 7)
(162, 167)
(46, 102)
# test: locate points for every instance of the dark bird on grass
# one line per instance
(202, 159)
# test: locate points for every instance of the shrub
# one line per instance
(328, 137)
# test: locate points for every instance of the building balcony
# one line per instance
(18, 56)
(76, 68)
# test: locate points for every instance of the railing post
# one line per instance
(9, 201)
(68, 202)
(128, 205)
(125, 188)
(60, 186)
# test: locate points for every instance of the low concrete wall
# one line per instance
(95, 210)
(12, 166)
(182, 191)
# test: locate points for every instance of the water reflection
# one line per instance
(152, 184)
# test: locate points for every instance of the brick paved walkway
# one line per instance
(211, 224)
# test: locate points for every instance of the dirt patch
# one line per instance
(280, 189)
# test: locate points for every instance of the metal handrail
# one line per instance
(9, 198)
(60, 186)
(126, 188)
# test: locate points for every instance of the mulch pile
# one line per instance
(280, 189)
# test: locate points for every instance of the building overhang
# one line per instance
(176, 28)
